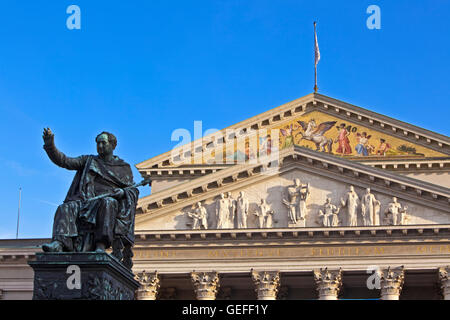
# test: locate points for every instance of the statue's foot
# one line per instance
(54, 246)
(100, 247)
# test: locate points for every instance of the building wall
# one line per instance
(439, 178)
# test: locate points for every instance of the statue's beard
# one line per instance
(104, 153)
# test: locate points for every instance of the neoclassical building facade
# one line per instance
(314, 199)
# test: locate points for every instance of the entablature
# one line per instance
(334, 235)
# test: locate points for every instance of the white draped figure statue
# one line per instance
(232, 206)
(351, 201)
(222, 212)
(296, 203)
(242, 205)
(328, 217)
(199, 216)
(395, 215)
(264, 214)
(370, 209)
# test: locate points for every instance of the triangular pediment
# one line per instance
(328, 176)
(339, 128)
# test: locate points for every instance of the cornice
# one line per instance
(312, 102)
(318, 163)
(330, 235)
(410, 165)
(185, 172)
(14, 256)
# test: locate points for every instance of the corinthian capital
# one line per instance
(391, 281)
(266, 284)
(328, 283)
(149, 285)
(444, 277)
(206, 284)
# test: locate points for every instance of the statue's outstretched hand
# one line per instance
(48, 136)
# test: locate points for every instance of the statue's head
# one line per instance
(328, 200)
(352, 189)
(106, 143)
(368, 190)
(242, 194)
(394, 199)
(297, 182)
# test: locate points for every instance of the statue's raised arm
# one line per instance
(57, 157)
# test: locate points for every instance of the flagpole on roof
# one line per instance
(316, 57)
(18, 214)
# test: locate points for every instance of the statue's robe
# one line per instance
(79, 223)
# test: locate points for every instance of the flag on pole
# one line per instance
(316, 57)
(316, 47)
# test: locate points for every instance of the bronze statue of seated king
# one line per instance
(99, 209)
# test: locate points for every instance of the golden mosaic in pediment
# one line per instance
(317, 130)
(321, 132)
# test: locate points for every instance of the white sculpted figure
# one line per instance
(199, 216)
(395, 214)
(370, 209)
(298, 195)
(264, 214)
(232, 206)
(242, 205)
(329, 216)
(222, 212)
(351, 200)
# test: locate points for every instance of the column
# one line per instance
(391, 282)
(206, 285)
(444, 277)
(328, 283)
(168, 294)
(266, 284)
(149, 286)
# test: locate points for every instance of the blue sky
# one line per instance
(142, 69)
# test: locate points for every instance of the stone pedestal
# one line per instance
(81, 275)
